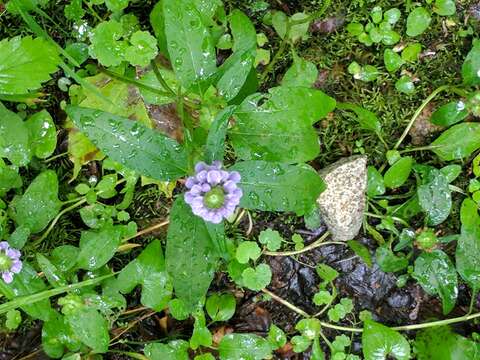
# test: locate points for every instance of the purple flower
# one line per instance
(9, 262)
(213, 193)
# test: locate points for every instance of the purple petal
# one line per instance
(16, 267)
(196, 190)
(214, 177)
(190, 182)
(225, 175)
(197, 201)
(13, 254)
(230, 186)
(189, 197)
(234, 176)
(7, 277)
(201, 176)
(206, 188)
(200, 166)
(4, 245)
(217, 164)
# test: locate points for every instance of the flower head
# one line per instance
(9, 262)
(213, 193)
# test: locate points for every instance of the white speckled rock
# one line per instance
(343, 202)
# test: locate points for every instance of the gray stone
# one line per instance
(343, 202)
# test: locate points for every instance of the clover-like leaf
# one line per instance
(106, 44)
(257, 278)
(143, 48)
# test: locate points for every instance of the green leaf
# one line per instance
(201, 336)
(148, 270)
(106, 45)
(190, 256)
(444, 7)
(244, 346)
(435, 197)
(279, 22)
(361, 250)
(189, 42)
(143, 48)
(458, 142)
(215, 146)
(380, 342)
(405, 85)
(26, 63)
(392, 60)
(388, 261)
(449, 114)
(322, 297)
(157, 20)
(221, 307)
(451, 172)
(25, 283)
(58, 335)
(441, 343)
(260, 131)
(299, 31)
(471, 66)
(42, 134)
(467, 255)
(14, 138)
(300, 343)
(276, 337)
(411, 52)
(310, 328)
(99, 246)
(39, 204)
(375, 184)
(247, 250)
(398, 173)
(367, 119)
(51, 272)
(418, 21)
(301, 73)
(116, 5)
(257, 278)
(392, 15)
(278, 187)
(13, 319)
(90, 328)
(326, 273)
(130, 143)
(436, 274)
(271, 238)
(174, 350)
(236, 69)
(9, 178)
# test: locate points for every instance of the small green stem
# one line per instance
(317, 243)
(359, 330)
(138, 84)
(420, 148)
(160, 78)
(55, 220)
(55, 157)
(33, 298)
(418, 112)
(401, 221)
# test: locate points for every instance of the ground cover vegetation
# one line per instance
(159, 177)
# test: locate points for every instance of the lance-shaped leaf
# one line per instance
(132, 144)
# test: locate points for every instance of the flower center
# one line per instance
(5, 262)
(215, 198)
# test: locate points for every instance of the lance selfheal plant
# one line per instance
(213, 193)
(10, 263)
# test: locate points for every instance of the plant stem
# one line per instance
(30, 299)
(418, 112)
(55, 220)
(148, 230)
(285, 303)
(160, 78)
(354, 329)
(133, 82)
(317, 243)
(420, 148)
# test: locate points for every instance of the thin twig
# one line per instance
(317, 243)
